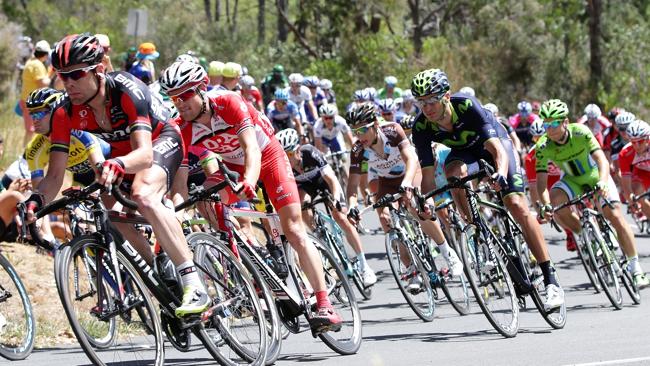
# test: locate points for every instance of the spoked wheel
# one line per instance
(411, 277)
(630, 286)
(92, 308)
(237, 319)
(604, 265)
(17, 327)
(490, 282)
(456, 288)
(583, 254)
(357, 278)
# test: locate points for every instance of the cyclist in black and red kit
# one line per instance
(147, 150)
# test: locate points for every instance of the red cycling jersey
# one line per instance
(231, 115)
(252, 95)
(600, 129)
(635, 165)
(554, 173)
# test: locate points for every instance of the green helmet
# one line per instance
(430, 82)
(554, 109)
(278, 69)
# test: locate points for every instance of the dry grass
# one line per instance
(13, 132)
(36, 272)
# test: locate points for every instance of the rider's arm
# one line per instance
(626, 182)
(494, 146)
(295, 117)
(410, 161)
(141, 157)
(603, 165)
(515, 140)
(319, 144)
(353, 187)
(50, 184)
(332, 183)
(252, 155)
(179, 192)
(428, 179)
(542, 191)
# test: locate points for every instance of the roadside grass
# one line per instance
(12, 131)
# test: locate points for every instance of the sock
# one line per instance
(189, 275)
(322, 300)
(444, 249)
(547, 271)
(361, 259)
(634, 265)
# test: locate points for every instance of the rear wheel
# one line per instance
(604, 265)
(17, 327)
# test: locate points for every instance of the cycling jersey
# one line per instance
(283, 119)
(391, 164)
(309, 175)
(635, 165)
(82, 144)
(600, 128)
(330, 136)
(231, 115)
(252, 95)
(616, 146)
(17, 169)
(530, 162)
(521, 125)
(303, 95)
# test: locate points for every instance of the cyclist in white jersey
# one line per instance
(300, 94)
(328, 129)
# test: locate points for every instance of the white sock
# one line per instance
(444, 249)
(189, 275)
(634, 265)
(361, 259)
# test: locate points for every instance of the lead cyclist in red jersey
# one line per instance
(226, 124)
(145, 146)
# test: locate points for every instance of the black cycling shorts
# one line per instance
(283, 124)
(168, 151)
(8, 233)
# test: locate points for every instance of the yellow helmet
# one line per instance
(215, 68)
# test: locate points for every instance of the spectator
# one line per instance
(143, 68)
(231, 73)
(129, 58)
(34, 76)
(106, 44)
(215, 73)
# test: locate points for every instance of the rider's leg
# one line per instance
(458, 169)
(639, 189)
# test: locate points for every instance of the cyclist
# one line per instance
(390, 89)
(328, 129)
(597, 123)
(359, 96)
(392, 167)
(554, 173)
(407, 106)
(317, 95)
(250, 92)
(119, 108)
(521, 122)
(313, 174)
(634, 162)
(387, 109)
(300, 94)
(504, 122)
(229, 126)
(472, 133)
(621, 123)
(328, 92)
(467, 90)
(272, 82)
(284, 113)
(215, 73)
(576, 151)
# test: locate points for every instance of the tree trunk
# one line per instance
(217, 10)
(261, 25)
(283, 31)
(228, 12)
(233, 28)
(208, 13)
(416, 37)
(595, 8)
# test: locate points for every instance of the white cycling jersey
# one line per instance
(339, 127)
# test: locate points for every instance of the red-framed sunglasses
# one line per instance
(184, 96)
(75, 74)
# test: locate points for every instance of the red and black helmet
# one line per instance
(77, 49)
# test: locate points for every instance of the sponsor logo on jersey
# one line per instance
(461, 141)
(131, 85)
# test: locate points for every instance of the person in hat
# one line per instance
(144, 68)
(128, 58)
(105, 42)
(215, 73)
(231, 72)
(34, 76)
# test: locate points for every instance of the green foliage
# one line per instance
(9, 34)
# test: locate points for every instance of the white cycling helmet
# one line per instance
(638, 130)
(296, 78)
(467, 90)
(492, 108)
(185, 57)
(592, 111)
(623, 120)
(372, 93)
(327, 110)
(182, 74)
(387, 105)
(326, 84)
(289, 139)
(524, 107)
(407, 95)
(537, 127)
(247, 81)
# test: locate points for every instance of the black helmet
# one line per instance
(361, 114)
(77, 49)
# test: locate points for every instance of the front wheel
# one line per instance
(17, 327)
(604, 265)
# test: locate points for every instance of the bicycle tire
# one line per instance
(423, 306)
(218, 267)
(630, 286)
(583, 254)
(348, 265)
(16, 315)
(624, 273)
(153, 343)
(455, 288)
(508, 325)
(605, 272)
(346, 341)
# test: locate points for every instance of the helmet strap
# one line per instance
(204, 106)
(99, 85)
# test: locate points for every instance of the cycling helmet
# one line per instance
(537, 127)
(327, 110)
(182, 74)
(372, 93)
(247, 81)
(244, 70)
(387, 105)
(553, 108)
(362, 114)
(289, 139)
(215, 68)
(432, 82)
(467, 90)
(281, 94)
(77, 49)
(42, 98)
(296, 78)
(325, 84)
(278, 69)
(592, 111)
(407, 122)
(184, 57)
(623, 120)
(614, 112)
(492, 108)
(407, 95)
(524, 108)
(638, 130)
(231, 70)
(311, 82)
(361, 95)
(390, 81)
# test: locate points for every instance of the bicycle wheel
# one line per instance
(630, 286)
(587, 265)
(348, 339)
(412, 279)
(357, 279)
(237, 317)
(455, 288)
(490, 282)
(624, 273)
(91, 308)
(348, 265)
(17, 326)
(604, 264)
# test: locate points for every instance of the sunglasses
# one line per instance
(328, 117)
(363, 129)
(37, 116)
(427, 101)
(554, 124)
(639, 142)
(75, 74)
(184, 96)
(280, 102)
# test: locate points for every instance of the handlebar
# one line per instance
(486, 170)
(578, 200)
(338, 153)
(641, 196)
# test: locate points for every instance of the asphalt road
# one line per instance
(595, 333)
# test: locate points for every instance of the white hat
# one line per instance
(42, 46)
(103, 40)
